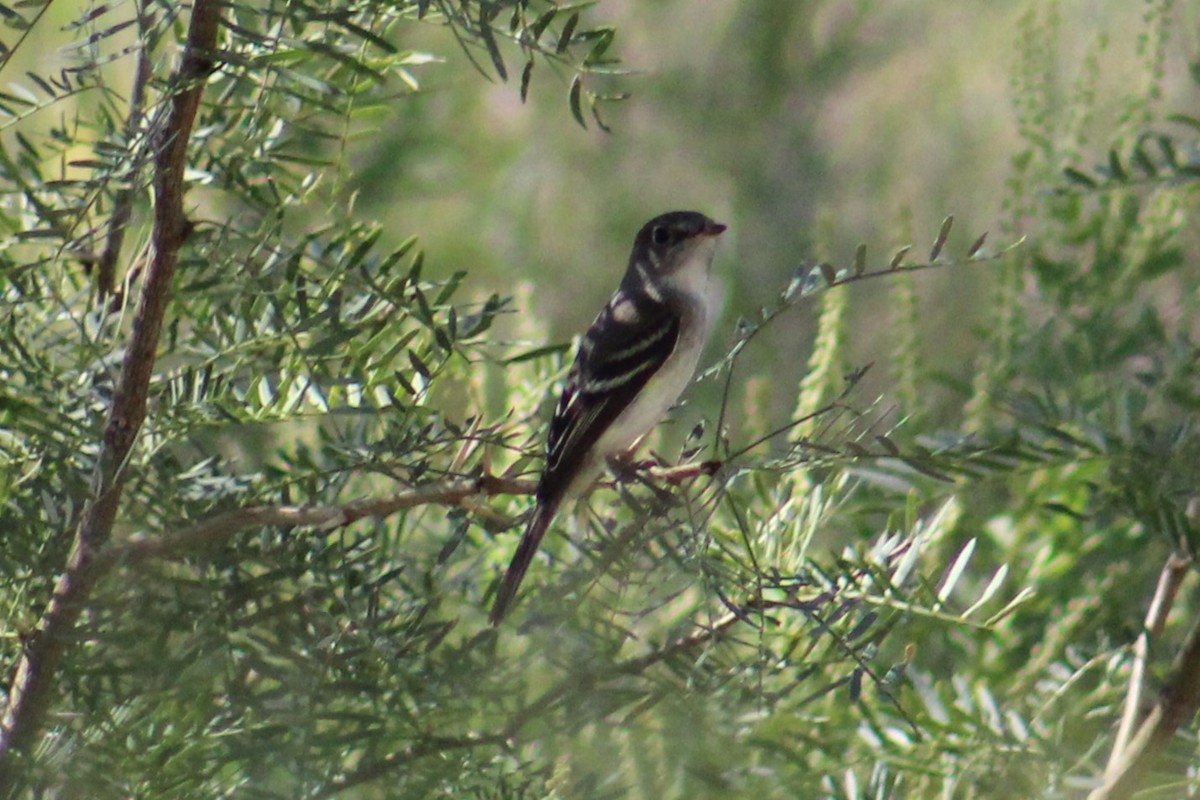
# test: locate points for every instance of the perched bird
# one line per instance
(633, 363)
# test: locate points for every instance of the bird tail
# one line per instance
(542, 516)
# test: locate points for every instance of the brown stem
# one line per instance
(218, 529)
(1177, 703)
(1169, 579)
(123, 206)
(33, 680)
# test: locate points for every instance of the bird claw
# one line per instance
(627, 469)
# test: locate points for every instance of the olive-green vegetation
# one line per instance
(264, 452)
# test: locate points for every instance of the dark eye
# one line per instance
(659, 235)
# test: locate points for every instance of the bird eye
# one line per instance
(659, 235)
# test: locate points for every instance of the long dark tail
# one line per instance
(542, 516)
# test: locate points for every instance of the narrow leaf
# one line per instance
(424, 312)
(860, 259)
(956, 571)
(450, 287)
(419, 365)
(489, 41)
(1116, 167)
(564, 39)
(898, 258)
(828, 273)
(404, 382)
(1022, 597)
(989, 591)
(1167, 148)
(856, 678)
(45, 87)
(1185, 119)
(526, 74)
(538, 352)
(1079, 178)
(976, 245)
(888, 445)
(927, 469)
(1143, 161)
(594, 106)
(596, 54)
(574, 99)
(539, 25)
(940, 242)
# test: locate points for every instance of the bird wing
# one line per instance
(625, 346)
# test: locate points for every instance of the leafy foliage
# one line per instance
(337, 447)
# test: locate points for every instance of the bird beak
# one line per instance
(713, 229)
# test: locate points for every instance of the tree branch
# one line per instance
(1177, 702)
(219, 529)
(1169, 580)
(106, 268)
(33, 680)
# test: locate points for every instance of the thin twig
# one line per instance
(36, 671)
(221, 528)
(1177, 703)
(106, 268)
(1169, 581)
(572, 684)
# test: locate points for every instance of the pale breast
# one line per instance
(691, 281)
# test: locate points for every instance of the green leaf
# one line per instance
(989, 591)
(1115, 167)
(976, 245)
(541, 23)
(957, 568)
(828, 273)
(564, 39)
(489, 42)
(538, 352)
(574, 100)
(404, 382)
(1185, 119)
(425, 313)
(331, 343)
(449, 287)
(898, 258)
(526, 74)
(596, 54)
(1167, 147)
(594, 107)
(1079, 178)
(1142, 160)
(943, 235)
(419, 365)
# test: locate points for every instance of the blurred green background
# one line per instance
(808, 127)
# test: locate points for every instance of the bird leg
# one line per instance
(627, 469)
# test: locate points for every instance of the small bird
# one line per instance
(633, 363)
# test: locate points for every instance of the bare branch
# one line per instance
(33, 680)
(1177, 703)
(219, 529)
(1169, 581)
(106, 268)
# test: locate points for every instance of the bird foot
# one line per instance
(627, 469)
